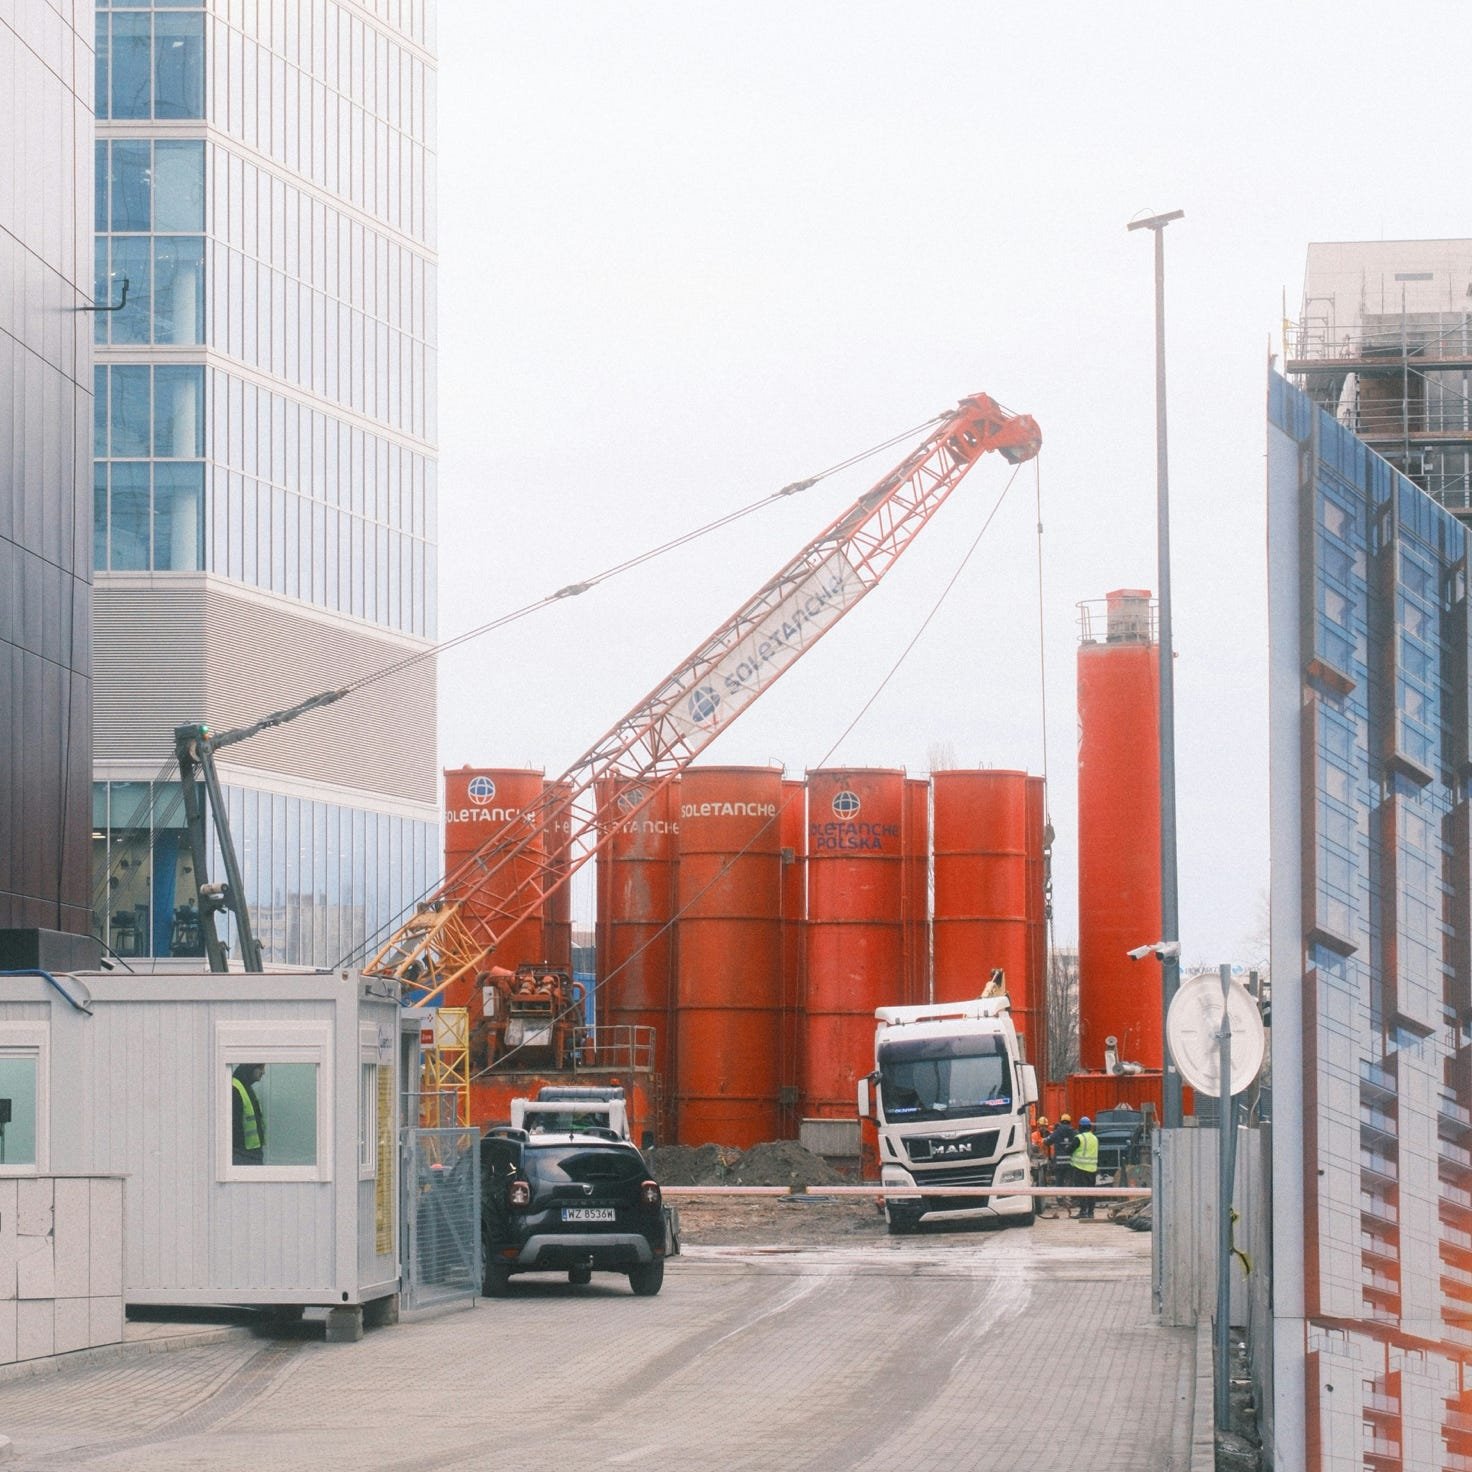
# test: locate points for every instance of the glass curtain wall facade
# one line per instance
(45, 408)
(1372, 939)
(263, 443)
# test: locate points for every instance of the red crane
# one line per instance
(444, 943)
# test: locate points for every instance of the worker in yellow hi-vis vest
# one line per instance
(247, 1118)
(1085, 1163)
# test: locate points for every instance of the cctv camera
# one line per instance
(1162, 950)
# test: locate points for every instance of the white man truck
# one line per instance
(949, 1094)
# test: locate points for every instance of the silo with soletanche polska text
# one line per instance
(793, 825)
(488, 810)
(728, 970)
(856, 952)
(917, 891)
(983, 910)
(557, 910)
(635, 926)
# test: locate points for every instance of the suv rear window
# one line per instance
(554, 1164)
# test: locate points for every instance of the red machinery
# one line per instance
(445, 941)
(533, 1011)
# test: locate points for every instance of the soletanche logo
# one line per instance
(704, 704)
(846, 804)
(481, 790)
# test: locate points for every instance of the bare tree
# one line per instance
(942, 756)
(1062, 1013)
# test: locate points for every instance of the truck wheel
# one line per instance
(647, 1279)
(1026, 1219)
(497, 1280)
(579, 1277)
(901, 1223)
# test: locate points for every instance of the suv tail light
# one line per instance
(649, 1195)
(519, 1195)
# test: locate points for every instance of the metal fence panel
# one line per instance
(441, 1205)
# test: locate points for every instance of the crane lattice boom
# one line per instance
(448, 941)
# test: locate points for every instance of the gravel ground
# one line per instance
(737, 1221)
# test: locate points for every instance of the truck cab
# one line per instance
(949, 1094)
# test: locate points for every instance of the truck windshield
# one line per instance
(944, 1078)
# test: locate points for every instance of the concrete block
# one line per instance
(35, 1268)
(35, 1329)
(34, 1205)
(106, 1238)
(379, 1313)
(345, 1323)
(105, 1320)
(72, 1238)
(73, 1324)
(7, 1332)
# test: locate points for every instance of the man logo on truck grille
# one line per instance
(846, 804)
(481, 790)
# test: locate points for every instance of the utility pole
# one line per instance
(1170, 923)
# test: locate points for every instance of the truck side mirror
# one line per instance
(1029, 1084)
(865, 1107)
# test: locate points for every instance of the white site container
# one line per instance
(136, 1081)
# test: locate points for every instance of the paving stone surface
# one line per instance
(1028, 1351)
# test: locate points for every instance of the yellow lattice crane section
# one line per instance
(447, 1062)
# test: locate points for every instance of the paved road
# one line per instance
(1025, 1351)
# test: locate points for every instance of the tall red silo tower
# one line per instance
(856, 959)
(728, 970)
(917, 891)
(483, 805)
(635, 935)
(557, 911)
(1039, 901)
(1119, 828)
(793, 827)
(983, 906)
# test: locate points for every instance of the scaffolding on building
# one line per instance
(1400, 381)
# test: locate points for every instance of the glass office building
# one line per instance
(1371, 709)
(45, 416)
(263, 494)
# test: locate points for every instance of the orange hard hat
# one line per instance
(1065, 1118)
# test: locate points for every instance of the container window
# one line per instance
(274, 1102)
(23, 1098)
(368, 1117)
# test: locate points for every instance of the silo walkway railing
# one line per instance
(441, 1216)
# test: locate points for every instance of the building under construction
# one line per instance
(1384, 344)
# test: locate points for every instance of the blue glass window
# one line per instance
(130, 260)
(178, 289)
(178, 49)
(178, 517)
(130, 177)
(178, 185)
(128, 410)
(129, 520)
(130, 89)
(178, 411)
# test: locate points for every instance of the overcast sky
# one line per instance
(690, 252)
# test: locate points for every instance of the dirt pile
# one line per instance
(775, 1163)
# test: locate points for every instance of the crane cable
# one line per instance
(730, 862)
(572, 590)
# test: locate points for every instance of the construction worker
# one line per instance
(1060, 1142)
(1085, 1162)
(247, 1118)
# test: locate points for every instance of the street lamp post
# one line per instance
(1170, 925)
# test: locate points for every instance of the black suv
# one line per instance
(577, 1203)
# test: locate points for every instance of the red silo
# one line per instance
(917, 891)
(1039, 897)
(728, 987)
(856, 957)
(1119, 829)
(982, 907)
(557, 922)
(793, 826)
(636, 906)
(485, 806)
